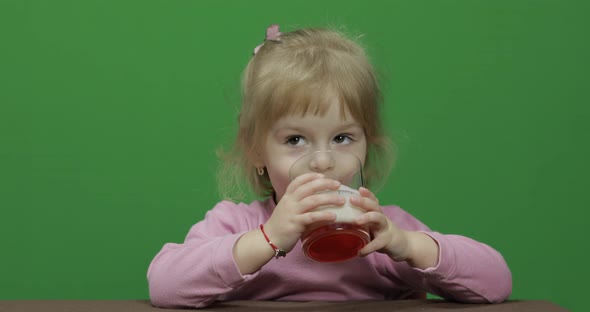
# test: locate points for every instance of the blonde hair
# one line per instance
(295, 75)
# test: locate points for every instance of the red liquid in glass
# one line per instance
(334, 242)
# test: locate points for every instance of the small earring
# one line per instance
(260, 170)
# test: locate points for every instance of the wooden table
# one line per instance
(263, 306)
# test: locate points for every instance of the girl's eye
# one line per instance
(343, 139)
(295, 140)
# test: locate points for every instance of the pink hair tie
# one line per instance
(272, 33)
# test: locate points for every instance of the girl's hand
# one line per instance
(294, 212)
(417, 248)
(387, 237)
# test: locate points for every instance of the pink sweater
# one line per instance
(202, 269)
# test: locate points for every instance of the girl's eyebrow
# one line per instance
(291, 127)
(351, 125)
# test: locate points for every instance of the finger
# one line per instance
(316, 216)
(365, 192)
(365, 203)
(315, 186)
(371, 247)
(321, 199)
(301, 180)
(375, 219)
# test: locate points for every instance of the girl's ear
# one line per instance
(258, 161)
(260, 170)
(259, 165)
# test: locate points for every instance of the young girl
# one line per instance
(304, 91)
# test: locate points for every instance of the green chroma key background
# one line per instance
(111, 112)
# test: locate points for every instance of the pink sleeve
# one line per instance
(467, 271)
(197, 272)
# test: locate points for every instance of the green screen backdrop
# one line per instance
(111, 112)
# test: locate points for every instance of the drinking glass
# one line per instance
(341, 239)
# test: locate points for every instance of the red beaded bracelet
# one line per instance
(278, 251)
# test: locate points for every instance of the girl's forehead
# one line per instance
(306, 99)
(333, 116)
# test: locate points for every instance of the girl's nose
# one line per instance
(321, 162)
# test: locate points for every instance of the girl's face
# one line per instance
(292, 137)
